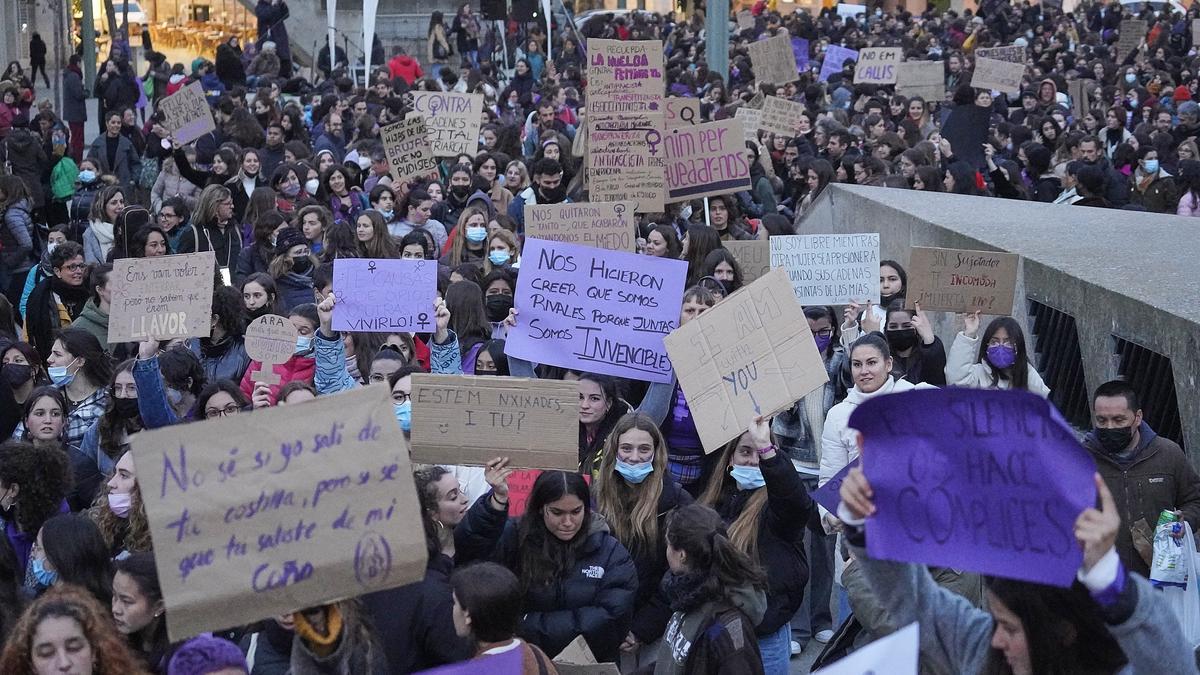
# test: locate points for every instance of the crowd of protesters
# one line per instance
(666, 559)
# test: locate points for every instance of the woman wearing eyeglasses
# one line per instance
(998, 360)
(59, 299)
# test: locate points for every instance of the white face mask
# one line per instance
(312, 186)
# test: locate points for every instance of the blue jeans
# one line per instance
(776, 651)
(814, 616)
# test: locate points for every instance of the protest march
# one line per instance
(573, 346)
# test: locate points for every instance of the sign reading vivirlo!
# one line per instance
(595, 310)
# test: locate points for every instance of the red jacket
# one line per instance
(406, 67)
(296, 368)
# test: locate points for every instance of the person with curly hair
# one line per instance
(67, 630)
(120, 513)
(33, 487)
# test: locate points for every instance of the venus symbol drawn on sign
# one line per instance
(270, 340)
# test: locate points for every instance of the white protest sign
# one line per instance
(829, 269)
(895, 654)
(878, 65)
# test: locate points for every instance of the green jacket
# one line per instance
(95, 321)
(62, 179)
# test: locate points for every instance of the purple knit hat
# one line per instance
(206, 654)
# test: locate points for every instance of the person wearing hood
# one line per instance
(100, 236)
(292, 269)
(405, 67)
(765, 506)
(1147, 473)
(1151, 186)
(577, 578)
(94, 317)
(16, 237)
(717, 593)
(114, 153)
(74, 110)
(547, 188)
(229, 64)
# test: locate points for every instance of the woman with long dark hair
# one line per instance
(138, 609)
(576, 578)
(71, 550)
(717, 594)
(1000, 360)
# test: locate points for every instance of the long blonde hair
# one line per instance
(743, 532)
(632, 510)
(460, 234)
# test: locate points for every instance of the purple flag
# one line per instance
(828, 494)
(984, 480)
(835, 57)
(596, 310)
(800, 52)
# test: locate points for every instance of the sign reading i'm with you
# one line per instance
(262, 514)
(595, 310)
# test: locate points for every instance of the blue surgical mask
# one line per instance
(387, 215)
(404, 415)
(635, 473)
(1151, 166)
(747, 477)
(499, 257)
(87, 176)
(174, 396)
(1130, 78)
(59, 374)
(43, 576)
(476, 234)
(303, 344)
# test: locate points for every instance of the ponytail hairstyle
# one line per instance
(743, 531)
(632, 510)
(698, 531)
(544, 557)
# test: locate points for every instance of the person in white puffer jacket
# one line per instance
(998, 360)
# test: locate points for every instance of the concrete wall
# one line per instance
(1118, 273)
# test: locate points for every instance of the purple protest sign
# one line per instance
(984, 480)
(828, 494)
(800, 52)
(384, 295)
(835, 57)
(595, 310)
(504, 663)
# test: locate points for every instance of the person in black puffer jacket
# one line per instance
(636, 493)
(768, 525)
(577, 578)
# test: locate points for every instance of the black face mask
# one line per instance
(497, 306)
(1114, 441)
(901, 339)
(16, 374)
(460, 192)
(252, 314)
(553, 195)
(301, 264)
(885, 300)
(125, 408)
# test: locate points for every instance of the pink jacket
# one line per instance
(296, 368)
(1189, 205)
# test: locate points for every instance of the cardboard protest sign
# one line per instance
(750, 119)
(773, 61)
(800, 53)
(966, 127)
(1080, 101)
(186, 114)
(682, 112)
(1003, 76)
(1009, 54)
(955, 280)
(625, 76)
(603, 225)
(878, 65)
(706, 160)
(995, 489)
(1130, 37)
(262, 514)
(625, 160)
(921, 78)
(895, 654)
(384, 295)
(595, 310)
(745, 20)
(165, 297)
(270, 340)
(752, 255)
(835, 57)
(829, 494)
(468, 420)
(451, 119)
(752, 354)
(577, 659)
(408, 151)
(1195, 31)
(829, 269)
(780, 116)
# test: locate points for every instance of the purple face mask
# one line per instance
(1001, 356)
(822, 342)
